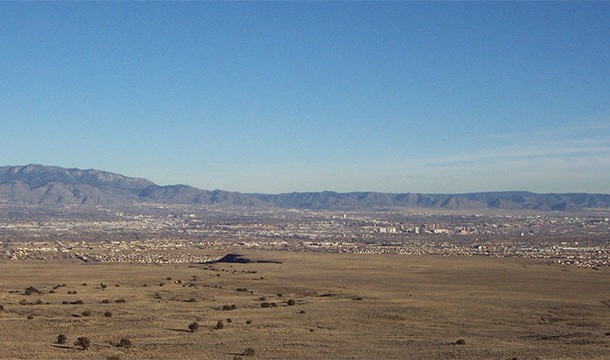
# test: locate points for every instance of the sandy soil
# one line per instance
(345, 307)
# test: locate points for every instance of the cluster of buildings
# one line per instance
(191, 237)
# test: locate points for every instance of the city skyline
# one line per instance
(283, 97)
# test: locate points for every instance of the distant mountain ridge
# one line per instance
(55, 186)
(509, 200)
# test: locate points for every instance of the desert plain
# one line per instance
(288, 305)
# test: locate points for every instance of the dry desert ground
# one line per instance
(309, 306)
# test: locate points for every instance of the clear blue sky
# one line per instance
(309, 96)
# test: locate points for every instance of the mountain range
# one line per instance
(52, 186)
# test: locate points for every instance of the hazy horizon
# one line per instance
(281, 97)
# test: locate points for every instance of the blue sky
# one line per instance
(310, 96)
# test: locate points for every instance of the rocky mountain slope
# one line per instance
(55, 186)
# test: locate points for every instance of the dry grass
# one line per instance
(343, 307)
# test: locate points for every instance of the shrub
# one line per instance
(120, 301)
(242, 289)
(31, 290)
(194, 326)
(229, 320)
(86, 313)
(125, 343)
(265, 305)
(107, 314)
(105, 301)
(77, 302)
(103, 286)
(220, 325)
(1, 307)
(84, 284)
(62, 339)
(273, 304)
(249, 352)
(30, 317)
(460, 342)
(65, 302)
(248, 322)
(83, 342)
(291, 302)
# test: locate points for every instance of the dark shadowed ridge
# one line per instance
(55, 186)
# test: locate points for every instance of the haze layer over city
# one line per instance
(304, 180)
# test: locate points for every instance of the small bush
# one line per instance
(220, 325)
(30, 317)
(103, 286)
(105, 301)
(1, 307)
(194, 326)
(62, 339)
(84, 284)
(249, 352)
(460, 342)
(31, 290)
(125, 343)
(242, 289)
(291, 302)
(229, 320)
(121, 301)
(65, 302)
(273, 304)
(39, 302)
(86, 313)
(265, 305)
(77, 302)
(83, 342)
(107, 314)
(248, 322)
